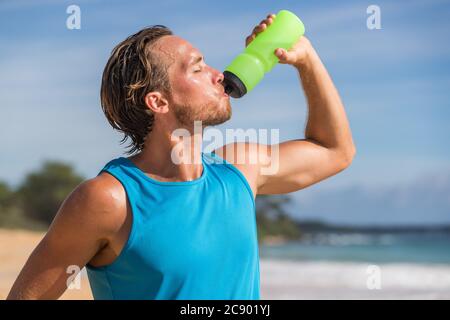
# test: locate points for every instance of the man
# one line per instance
(172, 222)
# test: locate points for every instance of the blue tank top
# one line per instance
(188, 240)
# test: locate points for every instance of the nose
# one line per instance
(218, 77)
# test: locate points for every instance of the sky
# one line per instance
(394, 83)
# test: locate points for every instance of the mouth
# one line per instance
(223, 93)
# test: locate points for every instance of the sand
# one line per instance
(279, 279)
(15, 248)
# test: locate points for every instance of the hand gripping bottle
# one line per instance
(258, 58)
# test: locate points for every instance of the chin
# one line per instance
(218, 117)
(216, 121)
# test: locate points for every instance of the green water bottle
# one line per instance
(258, 58)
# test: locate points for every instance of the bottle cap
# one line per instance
(234, 87)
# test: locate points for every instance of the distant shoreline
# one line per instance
(311, 226)
(308, 228)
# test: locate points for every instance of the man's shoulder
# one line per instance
(104, 190)
(102, 198)
(244, 156)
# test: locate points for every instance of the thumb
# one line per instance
(284, 56)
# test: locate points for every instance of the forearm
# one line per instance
(327, 122)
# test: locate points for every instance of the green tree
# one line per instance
(42, 193)
(11, 214)
(272, 217)
(6, 196)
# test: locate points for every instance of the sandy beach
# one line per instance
(279, 279)
(15, 247)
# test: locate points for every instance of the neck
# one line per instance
(172, 154)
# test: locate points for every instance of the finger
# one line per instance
(270, 16)
(280, 53)
(264, 20)
(256, 29)
(284, 56)
(264, 24)
(249, 39)
(259, 28)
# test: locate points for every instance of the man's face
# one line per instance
(197, 93)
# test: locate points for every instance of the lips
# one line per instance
(223, 93)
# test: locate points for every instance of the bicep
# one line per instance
(297, 164)
(72, 240)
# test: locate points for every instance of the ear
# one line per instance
(156, 102)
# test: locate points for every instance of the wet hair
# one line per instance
(133, 70)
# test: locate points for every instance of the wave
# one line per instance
(336, 239)
(344, 280)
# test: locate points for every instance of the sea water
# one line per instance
(432, 247)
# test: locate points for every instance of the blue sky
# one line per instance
(394, 82)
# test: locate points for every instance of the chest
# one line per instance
(194, 230)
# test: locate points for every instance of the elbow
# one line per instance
(347, 156)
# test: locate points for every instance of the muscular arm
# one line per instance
(80, 229)
(328, 147)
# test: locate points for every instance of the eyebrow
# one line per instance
(196, 60)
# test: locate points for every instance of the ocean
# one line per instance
(424, 248)
(358, 266)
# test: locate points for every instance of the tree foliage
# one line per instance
(273, 219)
(42, 192)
